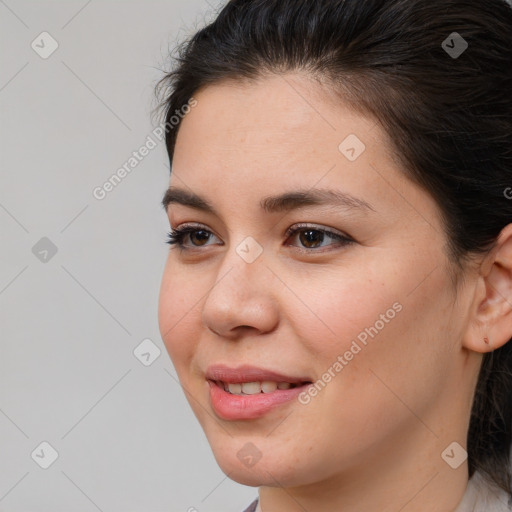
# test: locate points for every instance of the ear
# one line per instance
(491, 313)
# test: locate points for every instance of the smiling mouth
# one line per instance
(257, 387)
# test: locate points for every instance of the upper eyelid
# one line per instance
(298, 225)
(289, 231)
(319, 227)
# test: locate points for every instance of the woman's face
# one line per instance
(371, 322)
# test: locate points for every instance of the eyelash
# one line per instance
(176, 236)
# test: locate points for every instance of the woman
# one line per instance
(337, 300)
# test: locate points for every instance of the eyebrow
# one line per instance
(284, 202)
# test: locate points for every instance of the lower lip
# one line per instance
(248, 407)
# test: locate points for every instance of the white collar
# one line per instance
(481, 496)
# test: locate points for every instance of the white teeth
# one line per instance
(251, 388)
(235, 389)
(268, 386)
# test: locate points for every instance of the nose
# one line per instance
(242, 299)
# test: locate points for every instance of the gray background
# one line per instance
(125, 436)
(71, 320)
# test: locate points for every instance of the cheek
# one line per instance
(179, 317)
(371, 336)
(336, 307)
(368, 395)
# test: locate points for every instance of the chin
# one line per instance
(250, 467)
(248, 477)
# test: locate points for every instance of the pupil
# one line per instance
(309, 237)
(205, 235)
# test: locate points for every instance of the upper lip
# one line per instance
(247, 373)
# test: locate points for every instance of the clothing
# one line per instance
(480, 496)
(253, 506)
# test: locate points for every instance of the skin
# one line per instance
(371, 440)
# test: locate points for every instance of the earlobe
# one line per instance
(491, 324)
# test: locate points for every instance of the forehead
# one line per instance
(275, 112)
(283, 125)
(244, 141)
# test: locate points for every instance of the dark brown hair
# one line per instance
(447, 112)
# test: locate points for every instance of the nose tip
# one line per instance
(241, 302)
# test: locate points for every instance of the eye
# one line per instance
(312, 237)
(195, 233)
